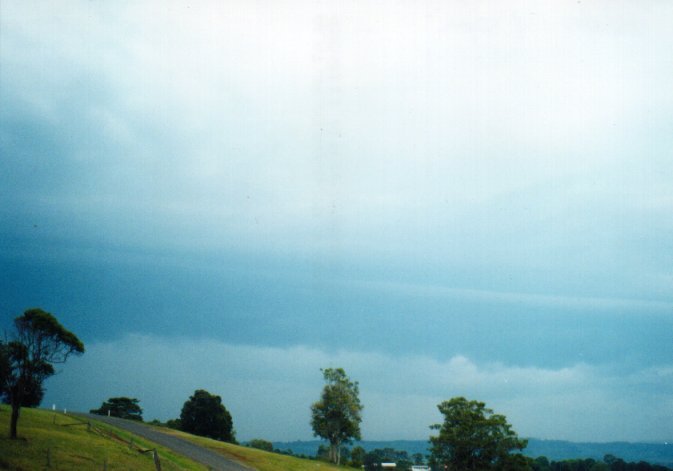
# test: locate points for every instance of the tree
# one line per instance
(323, 453)
(358, 456)
(373, 459)
(40, 341)
(336, 416)
(33, 392)
(472, 437)
(122, 407)
(174, 424)
(203, 414)
(261, 444)
(418, 458)
(541, 463)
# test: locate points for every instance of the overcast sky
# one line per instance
(444, 198)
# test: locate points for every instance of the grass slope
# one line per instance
(73, 446)
(259, 459)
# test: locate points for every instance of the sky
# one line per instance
(444, 198)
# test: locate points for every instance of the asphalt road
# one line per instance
(195, 452)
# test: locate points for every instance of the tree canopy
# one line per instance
(337, 415)
(122, 407)
(472, 437)
(261, 444)
(357, 457)
(33, 392)
(204, 414)
(39, 342)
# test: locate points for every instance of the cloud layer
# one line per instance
(344, 129)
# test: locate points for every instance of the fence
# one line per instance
(50, 458)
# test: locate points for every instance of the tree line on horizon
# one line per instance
(471, 436)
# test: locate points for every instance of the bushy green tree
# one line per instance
(33, 392)
(357, 456)
(122, 407)
(373, 460)
(541, 463)
(472, 437)
(39, 342)
(323, 453)
(174, 424)
(337, 415)
(261, 444)
(204, 414)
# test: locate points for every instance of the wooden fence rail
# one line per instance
(106, 434)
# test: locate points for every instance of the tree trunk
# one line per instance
(17, 399)
(16, 407)
(335, 452)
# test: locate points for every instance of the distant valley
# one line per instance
(655, 453)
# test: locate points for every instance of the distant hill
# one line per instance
(556, 450)
(655, 453)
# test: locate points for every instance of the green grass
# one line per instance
(259, 459)
(73, 447)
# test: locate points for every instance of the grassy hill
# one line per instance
(68, 443)
(258, 459)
